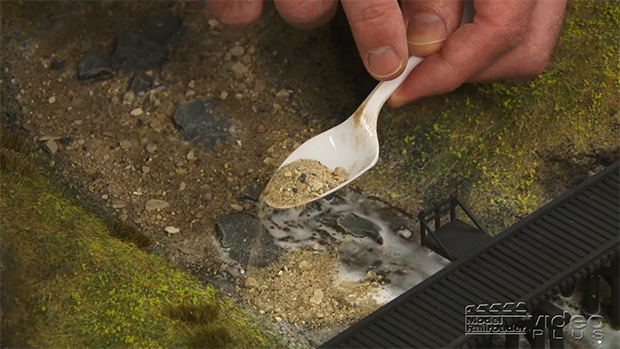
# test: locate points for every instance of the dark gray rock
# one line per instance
(93, 66)
(134, 53)
(66, 140)
(141, 83)
(252, 192)
(359, 227)
(237, 233)
(198, 123)
(57, 64)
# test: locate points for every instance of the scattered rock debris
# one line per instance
(301, 181)
(304, 288)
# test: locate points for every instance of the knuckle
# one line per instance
(372, 14)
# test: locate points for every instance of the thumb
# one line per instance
(429, 23)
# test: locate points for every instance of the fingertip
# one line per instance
(397, 100)
(235, 12)
(306, 14)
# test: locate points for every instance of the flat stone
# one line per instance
(93, 66)
(236, 233)
(251, 282)
(137, 112)
(47, 138)
(190, 251)
(155, 204)
(198, 122)
(359, 227)
(251, 192)
(283, 94)
(134, 53)
(50, 146)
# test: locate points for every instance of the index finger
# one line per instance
(497, 27)
(379, 31)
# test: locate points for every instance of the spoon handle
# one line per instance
(377, 98)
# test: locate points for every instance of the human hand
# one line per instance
(377, 25)
(507, 38)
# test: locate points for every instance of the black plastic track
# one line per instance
(558, 244)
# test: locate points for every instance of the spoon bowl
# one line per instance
(352, 145)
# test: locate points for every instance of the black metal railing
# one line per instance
(435, 215)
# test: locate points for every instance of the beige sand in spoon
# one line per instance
(301, 181)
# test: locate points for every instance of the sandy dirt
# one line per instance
(126, 154)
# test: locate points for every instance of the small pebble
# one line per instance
(191, 156)
(137, 112)
(239, 70)
(317, 297)
(251, 282)
(182, 186)
(237, 51)
(124, 144)
(223, 95)
(191, 84)
(237, 207)
(52, 100)
(155, 204)
(146, 169)
(304, 265)
(117, 203)
(170, 230)
(283, 94)
(129, 97)
(151, 148)
(340, 172)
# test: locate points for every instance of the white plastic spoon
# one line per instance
(353, 144)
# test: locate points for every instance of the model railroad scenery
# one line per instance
(151, 194)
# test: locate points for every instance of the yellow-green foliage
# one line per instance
(67, 283)
(496, 143)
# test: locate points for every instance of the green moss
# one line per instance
(501, 145)
(67, 282)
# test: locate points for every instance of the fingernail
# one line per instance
(383, 62)
(426, 29)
